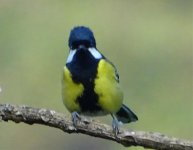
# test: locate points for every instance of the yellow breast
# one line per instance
(108, 88)
(71, 91)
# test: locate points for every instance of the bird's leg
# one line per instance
(75, 118)
(115, 125)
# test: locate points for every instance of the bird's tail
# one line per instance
(125, 115)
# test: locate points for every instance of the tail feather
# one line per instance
(125, 115)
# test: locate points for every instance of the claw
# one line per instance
(75, 118)
(115, 125)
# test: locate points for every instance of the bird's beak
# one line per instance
(82, 47)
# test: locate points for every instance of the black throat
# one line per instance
(83, 68)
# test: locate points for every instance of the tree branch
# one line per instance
(90, 127)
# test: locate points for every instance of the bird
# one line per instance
(90, 84)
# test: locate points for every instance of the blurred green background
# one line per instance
(150, 42)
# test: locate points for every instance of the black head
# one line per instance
(81, 36)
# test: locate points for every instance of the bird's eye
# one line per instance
(74, 45)
(86, 44)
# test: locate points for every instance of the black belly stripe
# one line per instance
(85, 74)
(89, 100)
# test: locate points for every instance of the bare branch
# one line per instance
(90, 127)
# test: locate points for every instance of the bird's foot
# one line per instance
(115, 126)
(75, 118)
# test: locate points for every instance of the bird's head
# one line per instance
(81, 38)
(82, 45)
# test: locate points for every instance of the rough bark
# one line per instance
(90, 127)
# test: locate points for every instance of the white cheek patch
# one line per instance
(70, 56)
(95, 53)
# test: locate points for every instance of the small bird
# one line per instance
(91, 82)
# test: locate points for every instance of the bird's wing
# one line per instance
(116, 72)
